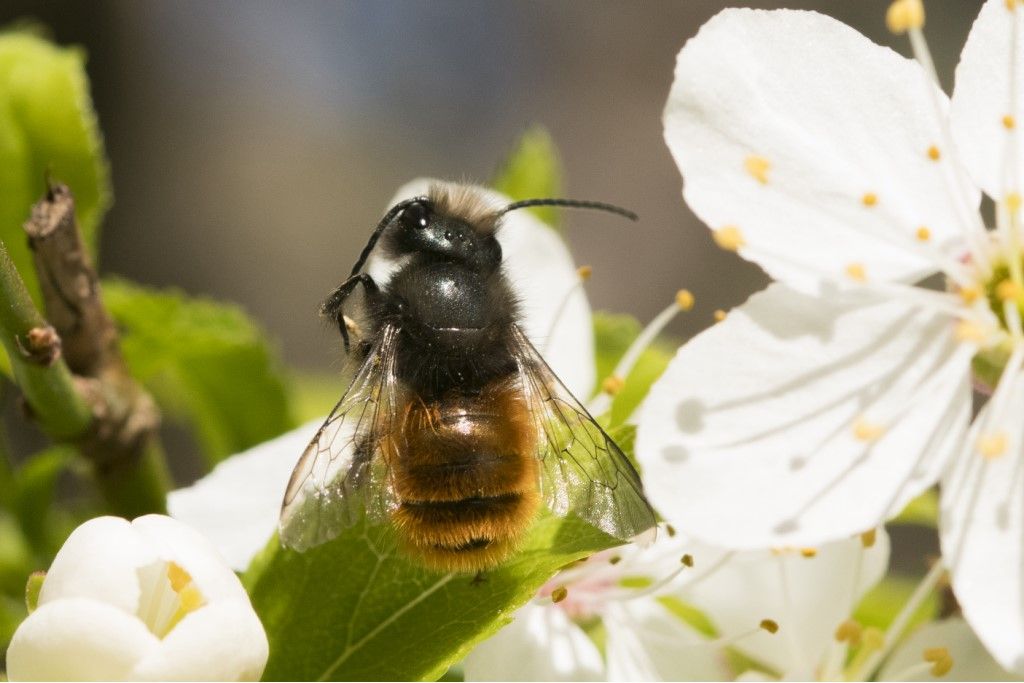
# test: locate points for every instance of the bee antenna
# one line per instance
(570, 204)
(384, 223)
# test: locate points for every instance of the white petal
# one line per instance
(219, 642)
(807, 596)
(646, 642)
(237, 504)
(748, 440)
(981, 528)
(100, 560)
(982, 98)
(541, 644)
(176, 542)
(78, 639)
(970, 660)
(836, 117)
(555, 311)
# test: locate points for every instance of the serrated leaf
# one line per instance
(533, 170)
(205, 362)
(613, 333)
(47, 126)
(354, 609)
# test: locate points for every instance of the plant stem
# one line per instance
(44, 378)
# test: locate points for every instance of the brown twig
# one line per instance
(122, 440)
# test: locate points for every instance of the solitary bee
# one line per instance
(453, 428)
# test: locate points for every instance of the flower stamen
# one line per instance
(758, 166)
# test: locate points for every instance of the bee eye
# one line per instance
(416, 215)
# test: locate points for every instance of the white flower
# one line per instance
(143, 600)
(802, 596)
(824, 404)
(237, 504)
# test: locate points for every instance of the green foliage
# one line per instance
(35, 485)
(47, 125)
(205, 362)
(354, 609)
(33, 587)
(533, 170)
(883, 602)
(613, 333)
(921, 511)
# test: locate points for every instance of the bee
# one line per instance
(453, 429)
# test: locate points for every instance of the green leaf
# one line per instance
(315, 394)
(36, 482)
(613, 333)
(533, 170)
(47, 125)
(883, 602)
(33, 587)
(922, 511)
(354, 609)
(205, 362)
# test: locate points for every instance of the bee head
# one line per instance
(423, 227)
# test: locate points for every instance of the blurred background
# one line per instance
(254, 144)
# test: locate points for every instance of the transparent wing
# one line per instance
(583, 471)
(343, 474)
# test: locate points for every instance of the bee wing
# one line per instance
(583, 471)
(342, 475)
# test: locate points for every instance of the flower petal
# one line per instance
(555, 311)
(646, 642)
(982, 99)
(236, 505)
(100, 560)
(806, 596)
(799, 420)
(541, 644)
(176, 542)
(813, 142)
(78, 639)
(970, 660)
(982, 525)
(223, 641)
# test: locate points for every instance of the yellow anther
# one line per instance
(1007, 290)
(687, 560)
(614, 559)
(178, 577)
(849, 632)
(872, 638)
(1013, 202)
(769, 625)
(189, 597)
(808, 552)
(1009, 123)
(992, 446)
(559, 594)
(867, 431)
(923, 234)
(868, 538)
(856, 271)
(969, 294)
(967, 331)
(934, 154)
(719, 315)
(940, 659)
(670, 530)
(584, 273)
(869, 199)
(684, 299)
(1012, 4)
(904, 15)
(758, 167)
(612, 384)
(729, 238)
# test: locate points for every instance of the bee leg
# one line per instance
(478, 579)
(332, 306)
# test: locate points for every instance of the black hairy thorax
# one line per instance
(453, 323)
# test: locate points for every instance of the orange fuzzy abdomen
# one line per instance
(465, 472)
